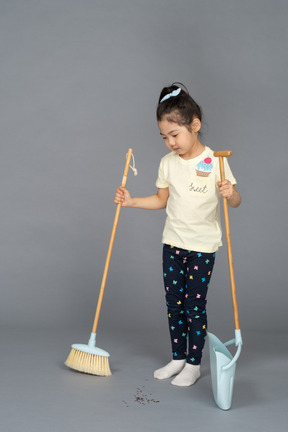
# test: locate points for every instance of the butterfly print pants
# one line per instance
(186, 278)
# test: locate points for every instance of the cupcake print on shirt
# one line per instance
(204, 168)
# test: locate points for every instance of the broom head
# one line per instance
(89, 359)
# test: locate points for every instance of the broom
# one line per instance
(89, 358)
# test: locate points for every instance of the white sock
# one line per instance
(188, 376)
(172, 368)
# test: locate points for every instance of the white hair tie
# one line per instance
(172, 94)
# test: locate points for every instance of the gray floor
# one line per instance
(38, 393)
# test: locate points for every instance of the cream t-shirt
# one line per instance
(193, 206)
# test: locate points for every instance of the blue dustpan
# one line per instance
(222, 363)
(223, 367)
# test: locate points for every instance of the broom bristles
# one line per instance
(88, 363)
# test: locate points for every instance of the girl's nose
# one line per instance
(172, 142)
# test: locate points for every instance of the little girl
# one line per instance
(190, 189)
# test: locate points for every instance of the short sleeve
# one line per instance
(161, 180)
(228, 173)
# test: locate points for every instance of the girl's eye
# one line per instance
(174, 136)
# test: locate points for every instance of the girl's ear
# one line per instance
(196, 125)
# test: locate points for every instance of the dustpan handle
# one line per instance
(111, 243)
(220, 155)
(235, 358)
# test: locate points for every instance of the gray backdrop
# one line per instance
(79, 86)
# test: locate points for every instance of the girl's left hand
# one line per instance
(226, 189)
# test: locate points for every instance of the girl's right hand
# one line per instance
(123, 197)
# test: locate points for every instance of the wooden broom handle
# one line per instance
(111, 243)
(222, 154)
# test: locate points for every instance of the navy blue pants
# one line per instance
(186, 278)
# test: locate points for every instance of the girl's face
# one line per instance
(178, 138)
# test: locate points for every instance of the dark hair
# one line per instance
(181, 109)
